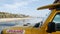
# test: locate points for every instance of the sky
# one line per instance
(26, 7)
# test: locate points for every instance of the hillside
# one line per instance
(9, 15)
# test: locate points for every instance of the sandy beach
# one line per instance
(11, 19)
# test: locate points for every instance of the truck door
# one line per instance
(54, 27)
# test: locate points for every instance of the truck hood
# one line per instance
(26, 29)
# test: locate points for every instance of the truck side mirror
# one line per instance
(36, 25)
(51, 27)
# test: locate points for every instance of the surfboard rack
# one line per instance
(48, 6)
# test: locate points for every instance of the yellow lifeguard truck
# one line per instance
(50, 26)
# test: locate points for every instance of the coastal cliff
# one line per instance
(10, 15)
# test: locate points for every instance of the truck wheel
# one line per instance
(1, 32)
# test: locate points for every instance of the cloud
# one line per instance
(15, 5)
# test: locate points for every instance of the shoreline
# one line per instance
(11, 19)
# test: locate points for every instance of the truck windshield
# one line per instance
(34, 21)
(39, 24)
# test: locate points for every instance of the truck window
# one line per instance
(56, 20)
